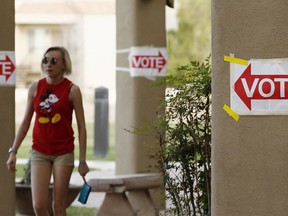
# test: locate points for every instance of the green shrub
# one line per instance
(183, 134)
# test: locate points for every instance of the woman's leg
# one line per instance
(61, 175)
(40, 180)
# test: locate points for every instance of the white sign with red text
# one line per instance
(260, 88)
(7, 68)
(148, 61)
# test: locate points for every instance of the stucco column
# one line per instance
(249, 157)
(7, 112)
(139, 23)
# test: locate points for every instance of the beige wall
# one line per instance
(249, 157)
(7, 112)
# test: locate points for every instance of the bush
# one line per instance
(183, 134)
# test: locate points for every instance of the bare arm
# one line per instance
(76, 98)
(24, 127)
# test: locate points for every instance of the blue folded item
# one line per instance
(84, 193)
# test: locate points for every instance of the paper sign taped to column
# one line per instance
(260, 87)
(7, 68)
(148, 61)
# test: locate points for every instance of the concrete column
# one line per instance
(249, 157)
(7, 112)
(139, 23)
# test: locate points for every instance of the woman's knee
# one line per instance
(40, 208)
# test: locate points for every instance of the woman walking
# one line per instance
(53, 99)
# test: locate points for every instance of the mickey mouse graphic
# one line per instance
(46, 104)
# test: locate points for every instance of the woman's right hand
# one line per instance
(11, 162)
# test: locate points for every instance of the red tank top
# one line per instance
(53, 133)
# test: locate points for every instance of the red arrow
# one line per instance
(6, 67)
(149, 61)
(261, 87)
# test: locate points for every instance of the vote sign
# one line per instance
(7, 67)
(261, 87)
(148, 61)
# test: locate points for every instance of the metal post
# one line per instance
(101, 127)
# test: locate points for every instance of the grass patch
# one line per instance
(20, 171)
(80, 211)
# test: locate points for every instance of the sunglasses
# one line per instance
(53, 61)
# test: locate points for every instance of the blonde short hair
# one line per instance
(66, 58)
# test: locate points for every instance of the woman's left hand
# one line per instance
(83, 168)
